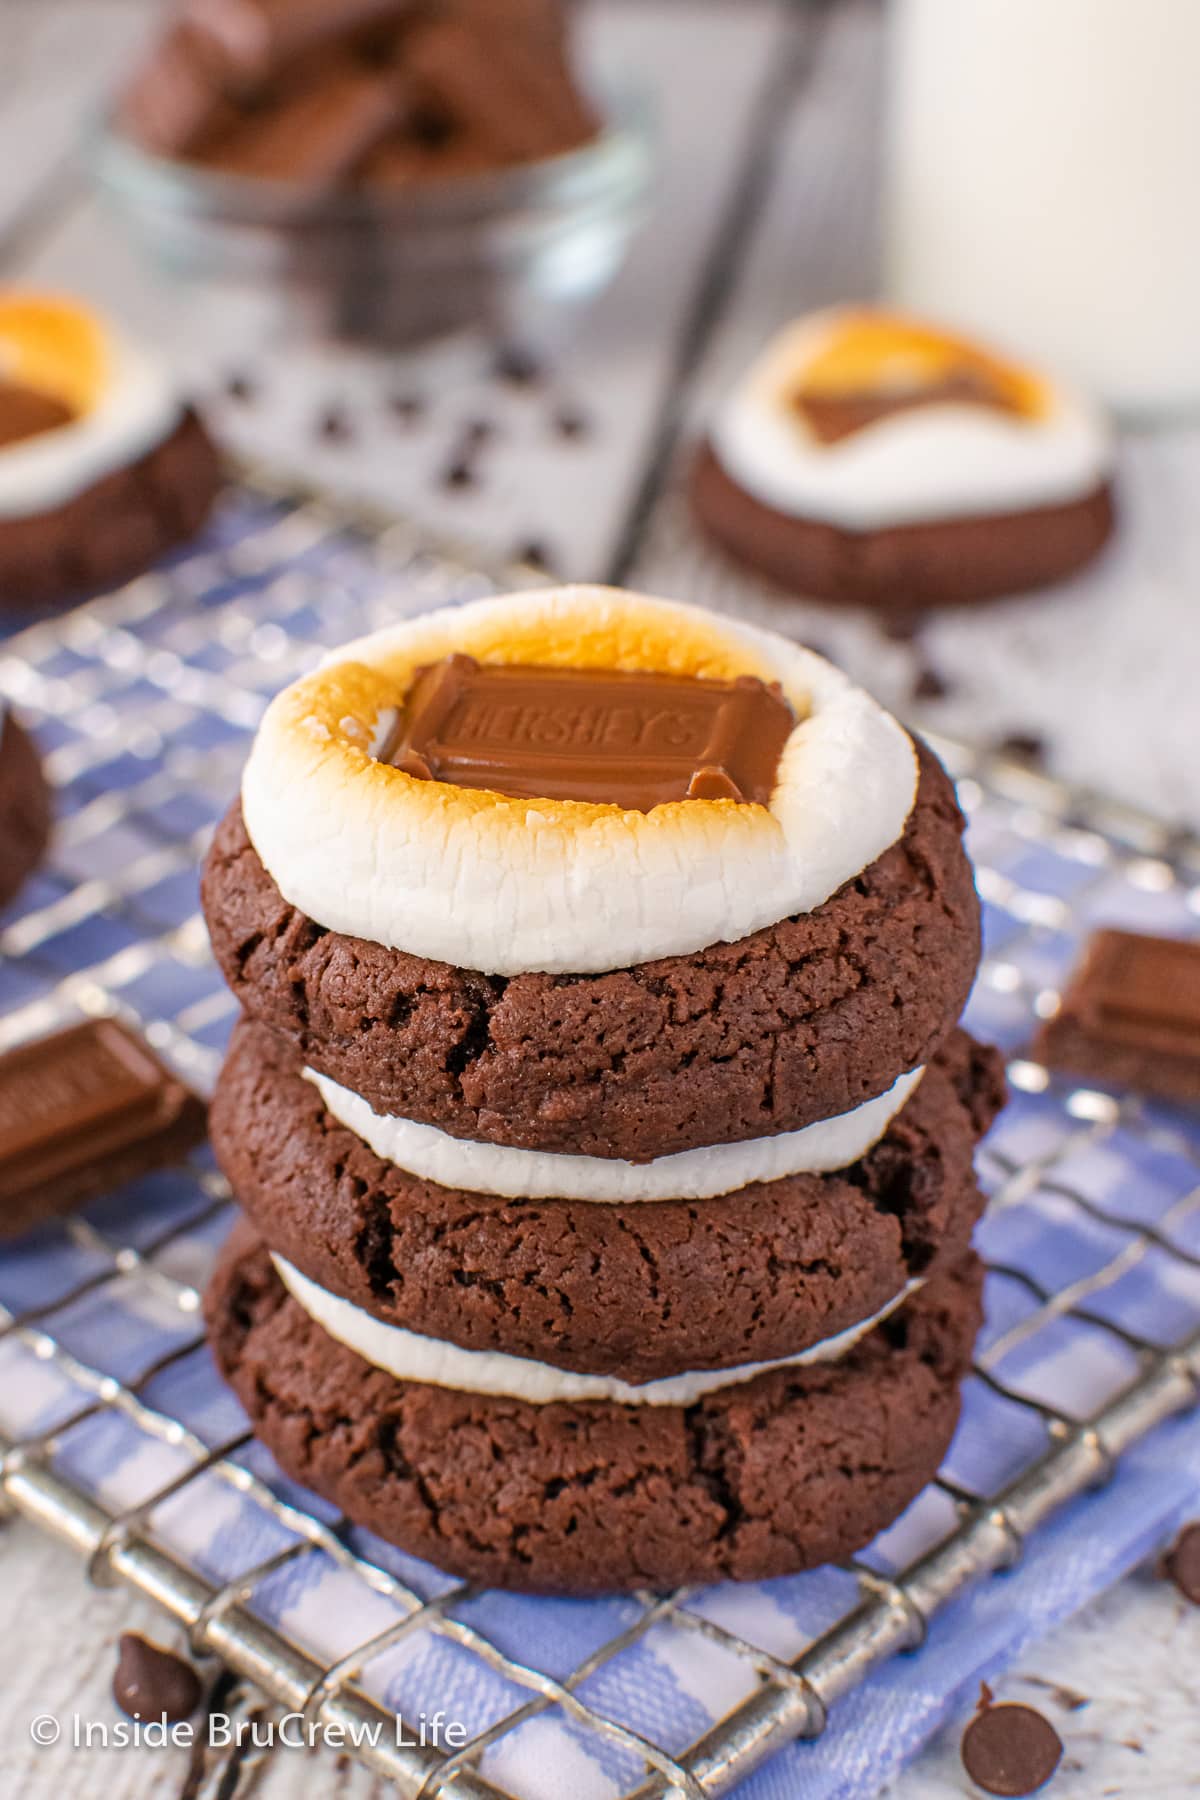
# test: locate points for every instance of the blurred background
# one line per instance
(758, 159)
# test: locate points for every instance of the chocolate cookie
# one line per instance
(781, 1473)
(115, 529)
(638, 1291)
(900, 568)
(24, 807)
(796, 1023)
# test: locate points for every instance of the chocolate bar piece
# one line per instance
(620, 738)
(26, 412)
(521, 103)
(256, 39)
(177, 97)
(313, 135)
(833, 416)
(81, 1112)
(1131, 1015)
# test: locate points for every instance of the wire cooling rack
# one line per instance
(118, 1437)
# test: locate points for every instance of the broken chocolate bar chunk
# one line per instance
(311, 135)
(81, 1112)
(1131, 1015)
(255, 39)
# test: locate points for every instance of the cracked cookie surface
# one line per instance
(798, 1022)
(782, 1473)
(638, 1291)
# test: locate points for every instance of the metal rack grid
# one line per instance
(145, 701)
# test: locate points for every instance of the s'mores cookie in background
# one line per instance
(24, 806)
(599, 1113)
(103, 466)
(875, 459)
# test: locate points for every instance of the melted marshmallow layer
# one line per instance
(411, 1357)
(931, 462)
(479, 1168)
(511, 886)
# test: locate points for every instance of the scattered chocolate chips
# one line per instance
(572, 424)
(1026, 746)
(1181, 1564)
(1010, 1749)
(929, 685)
(334, 427)
(153, 1683)
(518, 366)
(242, 388)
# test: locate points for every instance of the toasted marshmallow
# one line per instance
(932, 427)
(507, 886)
(479, 1168)
(409, 1356)
(119, 400)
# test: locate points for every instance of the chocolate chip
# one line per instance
(535, 552)
(241, 388)
(1010, 1749)
(571, 423)
(459, 474)
(334, 426)
(518, 366)
(152, 1683)
(408, 408)
(929, 685)
(477, 433)
(1181, 1564)
(1026, 746)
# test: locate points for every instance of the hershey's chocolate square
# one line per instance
(834, 416)
(619, 738)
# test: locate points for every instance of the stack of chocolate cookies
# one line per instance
(599, 1113)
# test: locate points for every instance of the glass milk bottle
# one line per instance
(1043, 184)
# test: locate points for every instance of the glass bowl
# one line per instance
(496, 250)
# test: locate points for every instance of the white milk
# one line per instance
(1044, 184)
